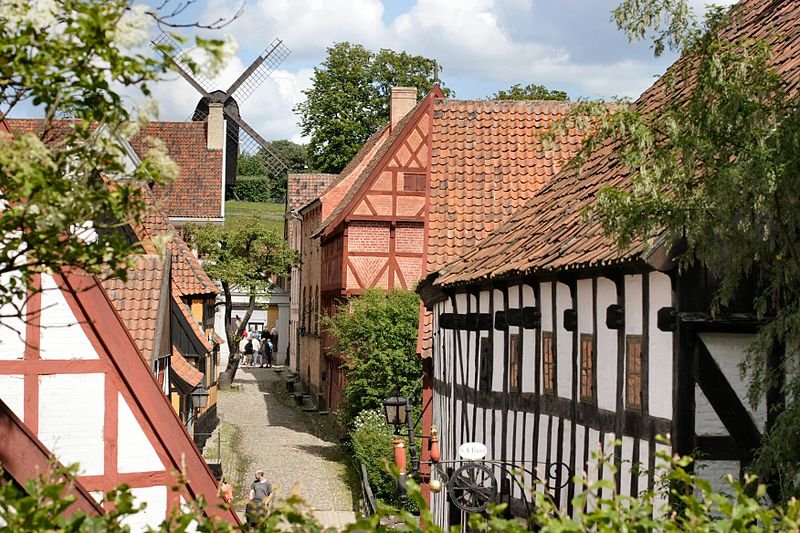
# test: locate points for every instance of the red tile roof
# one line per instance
(304, 188)
(198, 191)
(137, 300)
(185, 370)
(188, 277)
(549, 233)
(488, 159)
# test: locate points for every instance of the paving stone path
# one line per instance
(277, 437)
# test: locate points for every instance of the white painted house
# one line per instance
(550, 342)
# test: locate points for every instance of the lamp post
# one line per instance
(397, 410)
(198, 400)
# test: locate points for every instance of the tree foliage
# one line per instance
(294, 155)
(41, 505)
(349, 99)
(75, 57)
(718, 168)
(529, 92)
(376, 334)
(247, 256)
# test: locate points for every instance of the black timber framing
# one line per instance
(635, 425)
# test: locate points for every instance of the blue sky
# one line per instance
(482, 45)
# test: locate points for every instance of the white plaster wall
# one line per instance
(62, 337)
(660, 349)
(12, 329)
(625, 470)
(580, 436)
(706, 420)
(528, 345)
(715, 472)
(154, 513)
(729, 350)
(135, 453)
(498, 339)
(606, 348)
(592, 470)
(71, 413)
(585, 315)
(644, 461)
(542, 458)
(633, 305)
(564, 342)
(12, 392)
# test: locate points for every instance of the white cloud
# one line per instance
(481, 43)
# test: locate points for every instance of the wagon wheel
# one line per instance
(472, 487)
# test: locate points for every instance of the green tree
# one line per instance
(294, 155)
(349, 99)
(245, 255)
(717, 167)
(73, 57)
(529, 92)
(376, 334)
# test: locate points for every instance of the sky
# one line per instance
(482, 46)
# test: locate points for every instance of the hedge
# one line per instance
(252, 190)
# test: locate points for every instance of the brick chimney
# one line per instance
(215, 127)
(403, 100)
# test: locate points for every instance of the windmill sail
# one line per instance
(261, 69)
(242, 138)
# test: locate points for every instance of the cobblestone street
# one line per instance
(276, 435)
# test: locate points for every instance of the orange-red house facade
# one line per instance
(449, 172)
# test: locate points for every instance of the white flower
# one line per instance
(133, 28)
(38, 14)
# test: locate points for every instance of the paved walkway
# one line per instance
(276, 437)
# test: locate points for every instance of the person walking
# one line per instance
(247, 349)
(270, 351)
(260, 499)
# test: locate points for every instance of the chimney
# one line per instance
(403, 100)
(215, 127)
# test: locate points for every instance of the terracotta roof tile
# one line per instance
(189, 278)
(488, 159)
(185, 370)
(137, 300)
(549, 233)
(199, 188)
(305, 188)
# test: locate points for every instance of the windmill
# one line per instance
(242, 138)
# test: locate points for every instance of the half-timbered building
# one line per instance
(551, 343)
(73, 375)
(448, 172)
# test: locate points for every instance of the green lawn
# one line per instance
(271, 213)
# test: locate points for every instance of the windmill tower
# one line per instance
(242, 138)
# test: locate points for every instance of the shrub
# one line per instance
(252, 190)
(376, 333)
(371, 438)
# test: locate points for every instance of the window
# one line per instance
(514, 363)
(485, 378)
(633, 372)
(587, 368)
(414, 182)
(548, 364)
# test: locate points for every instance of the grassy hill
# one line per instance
(271, 213)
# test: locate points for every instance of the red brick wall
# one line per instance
(409, 237)
(368, 237)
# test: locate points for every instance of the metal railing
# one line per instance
(369, 505)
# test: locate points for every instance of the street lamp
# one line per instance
(395, 410)
(199, 398)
